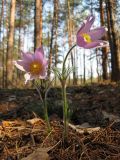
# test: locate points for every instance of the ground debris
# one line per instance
(34, 141)
(38, 154)
(95, 113)
(35, 121)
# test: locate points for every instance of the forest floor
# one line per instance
(94, 125)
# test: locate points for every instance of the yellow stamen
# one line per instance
(87, 37)
(35, 67)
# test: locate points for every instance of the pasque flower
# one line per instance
(90, 38)
(35, 65)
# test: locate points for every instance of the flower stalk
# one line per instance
(64, 95)
(43, 98)
(65, 112)
(46, 114)
(86, 39)
(63, 67)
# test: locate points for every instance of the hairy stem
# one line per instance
(44, 102)
(65, 112)
(65, 105)
(46, 114)
(63, 67)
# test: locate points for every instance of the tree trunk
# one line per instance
(75, 70)
(56, 26)
(1, 16)
(38, 24)
(91, 69)
(20, 26)
(5, 34)
(19, 39)
(84, 68)
(113, 40)
(2, 55)
(97, 69)
(104, 50)
(69, 27)
(9, 65)
(75, 57)
(51, 39)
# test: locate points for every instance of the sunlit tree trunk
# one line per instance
(1, 51)
(1, 16)
(91, 69)
(38, 24)
(5, 34)
(104, 50)
(56, 27)
(75, 59)
(113, 40)
(50, 43)
(3, 61)
(9, 65)
(75, 71)
(97, 67)
(73, 32)
(50, 52)
(41, 22)
(19, 39)
(20, 26)
(69, 28)
(52, 37)
(84, 68)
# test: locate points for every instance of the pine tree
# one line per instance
(9, 58)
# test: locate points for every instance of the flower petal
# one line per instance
(102, 43)
(45, 63)
(27, 57)
(24, 65)
(86, 25)
(40, 49)
(96, 44)
(28, 61)
(92, 45)
(18, 65)
(43, 74)
(39, 54)
(97, 33)
(80, 41)
(28, 77)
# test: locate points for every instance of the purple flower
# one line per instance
(35, 65)
(90, 38)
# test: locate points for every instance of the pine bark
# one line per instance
(51, 38)
(97, 68)
(20, 26)
(113, 40)
(2, 56)
(56, 27)
(51, 49)
(69, 27)
(1, 15)
(9, 57)
(104, 50)
(84, 68)
(19, 39)
(38, 24)
(5, 34)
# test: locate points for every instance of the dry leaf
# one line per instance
(35, 121)
(39, 154)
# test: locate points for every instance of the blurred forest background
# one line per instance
(28, 24)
